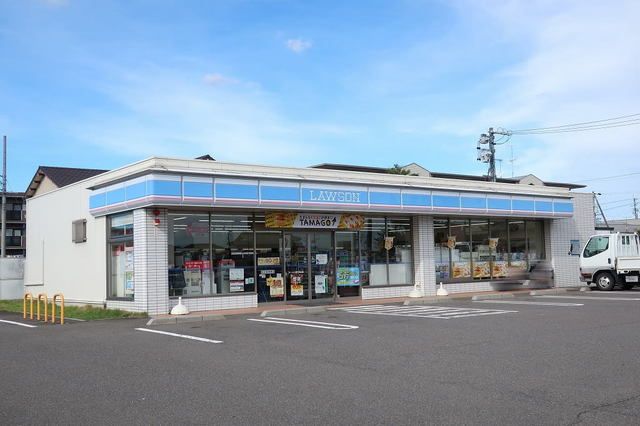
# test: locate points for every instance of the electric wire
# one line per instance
(608, 177)
(580, 129)
(578, 124)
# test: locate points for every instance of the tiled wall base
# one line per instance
(125, 306)
(384, 292)
(215, 303)
(472, 287)
(468, 287)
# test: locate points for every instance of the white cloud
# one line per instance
(298, 45)
(167, 112)
(56, 3)
(580, 64)
(216, 78)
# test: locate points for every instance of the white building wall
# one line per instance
(54, 263)
(562, 231)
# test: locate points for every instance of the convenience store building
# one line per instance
(225, 236)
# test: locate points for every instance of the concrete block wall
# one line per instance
(562, 231)
(11, 278)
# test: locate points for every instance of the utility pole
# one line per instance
(3, 216)
(489, 155)
(597, 207)
(492, 161)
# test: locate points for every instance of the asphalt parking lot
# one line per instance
(570, 359)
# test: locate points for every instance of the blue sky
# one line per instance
(104, 83)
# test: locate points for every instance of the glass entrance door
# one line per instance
(309, 265)
(297, 263)
(321, 262)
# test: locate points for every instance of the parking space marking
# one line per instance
(526, 302)
(18, 323)
(437, 312)
(591, 298)
(184, 336)
(305, 323)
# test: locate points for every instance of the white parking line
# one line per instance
(525, 302)
(184, 336)
(438, 312)
(305, 323)
(591, 298)
(19, 323)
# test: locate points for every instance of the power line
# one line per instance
(578, 124)
(626, 200)
(579, 129)
(608, 177)
(629, 204)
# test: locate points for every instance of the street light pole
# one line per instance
(3, 216)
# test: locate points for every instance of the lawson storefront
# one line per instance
(225, 236)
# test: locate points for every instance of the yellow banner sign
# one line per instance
(313, 220)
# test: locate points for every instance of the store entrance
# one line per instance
(309, 263)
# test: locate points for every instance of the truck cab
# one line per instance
(612, 259)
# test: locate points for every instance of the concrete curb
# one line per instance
(561, 290)
(432, 299)
(184, 319)
(294, 311)
(492, 296)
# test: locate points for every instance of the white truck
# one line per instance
(612, 259)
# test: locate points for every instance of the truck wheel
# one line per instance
(605, 281)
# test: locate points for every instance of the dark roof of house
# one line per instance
(206, 157)
(350, 168)
(60, 176)
(11, 194)
(368, 169)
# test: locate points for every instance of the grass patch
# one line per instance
(86, 312)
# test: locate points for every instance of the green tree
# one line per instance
(399, 170)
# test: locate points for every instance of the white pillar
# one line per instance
(423, 254)
(150, 261)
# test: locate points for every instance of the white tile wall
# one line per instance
(215, 303)
(562, 231)
(385, 292)
(149, 263)
(469, 287)
(423, 254)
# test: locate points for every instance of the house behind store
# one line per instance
(225, 235)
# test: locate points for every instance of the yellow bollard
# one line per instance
(24, 306)
(53, 308)
(46, 302)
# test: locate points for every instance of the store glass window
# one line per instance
(480, 252)
(459, 241)
(232, 253)
(499, 246)
(373, 256)
(348, 264)
(121, 282)
(269, 266)
(486, 248)
(121, 225)
(517, 245)
(441, 250)
(189, 255)
(400, 253)
(535, 242)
